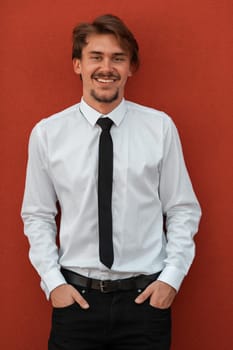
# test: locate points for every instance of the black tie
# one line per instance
(105, 192)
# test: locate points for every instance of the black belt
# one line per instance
(107, 286)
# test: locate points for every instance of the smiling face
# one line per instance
(104, 67)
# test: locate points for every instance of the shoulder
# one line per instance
(59, 118)
(55, 124)
(147, 114)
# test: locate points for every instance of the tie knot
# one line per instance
(105, 123)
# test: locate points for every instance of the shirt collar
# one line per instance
(93, 115)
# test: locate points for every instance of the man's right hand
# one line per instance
(65, 295)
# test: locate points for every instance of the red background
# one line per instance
(186, 57)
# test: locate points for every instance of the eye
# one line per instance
(96, 58)
(118, 59)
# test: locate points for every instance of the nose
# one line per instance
(107, 64)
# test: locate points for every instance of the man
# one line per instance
(116, 168)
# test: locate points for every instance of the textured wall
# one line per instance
(186, 56)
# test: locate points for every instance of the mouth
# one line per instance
(105, 79)
(101, 80)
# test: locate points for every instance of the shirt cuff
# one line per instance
(51, 280)
(172, 276)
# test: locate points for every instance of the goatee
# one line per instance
(105, 99)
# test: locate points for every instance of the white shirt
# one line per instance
(150, 182)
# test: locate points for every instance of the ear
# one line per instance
(131, 70)
(77, 65)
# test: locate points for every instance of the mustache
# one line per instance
(105, 76)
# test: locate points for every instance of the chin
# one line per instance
(105, 98)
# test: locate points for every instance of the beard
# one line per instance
(102, 98)
(105, 99)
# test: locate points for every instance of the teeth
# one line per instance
(105, 80)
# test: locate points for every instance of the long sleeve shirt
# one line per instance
(150, 185)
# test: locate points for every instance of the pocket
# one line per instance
(62, 316)
(64, 308)
(158, 313)
(157, 325)
(165, 310)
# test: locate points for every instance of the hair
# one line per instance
(106, 24)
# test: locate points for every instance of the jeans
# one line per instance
(113, 322)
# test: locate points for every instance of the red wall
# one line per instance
(186, 60)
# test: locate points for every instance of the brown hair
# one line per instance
(106, 24)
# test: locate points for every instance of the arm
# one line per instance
(39, 212)
(180, 208)
(182, 214)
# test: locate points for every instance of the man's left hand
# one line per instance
(160, 293)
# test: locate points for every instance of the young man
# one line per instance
(117, 170)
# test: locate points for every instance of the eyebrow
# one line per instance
(101, 53)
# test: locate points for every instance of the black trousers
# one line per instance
(113, 322)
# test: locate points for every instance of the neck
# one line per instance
(103, 108)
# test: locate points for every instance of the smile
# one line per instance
(101, 80)
(105, 79)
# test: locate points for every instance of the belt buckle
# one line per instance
(103, 286)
